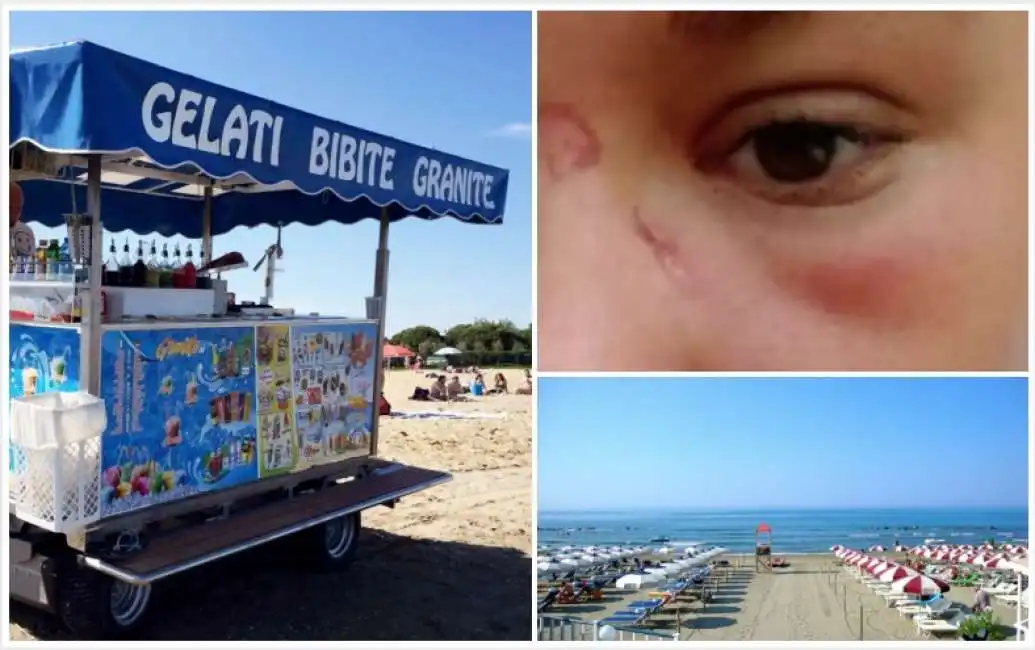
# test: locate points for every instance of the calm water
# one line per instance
(794, 531)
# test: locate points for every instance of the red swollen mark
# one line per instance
(567, 143)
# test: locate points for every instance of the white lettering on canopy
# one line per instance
(342, 156)
(453, 183)
(171, 115)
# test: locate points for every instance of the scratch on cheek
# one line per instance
(662, 246)
(567, 143)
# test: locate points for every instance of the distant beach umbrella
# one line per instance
(551, 567)
(859, 560)
(995, 562)
(835, 548)
(897, 572)
(920, 585)
(877, 548)
(447, 352)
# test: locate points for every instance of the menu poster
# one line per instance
(278, 447)
(181, 417)
(43, 359)
(333, 370)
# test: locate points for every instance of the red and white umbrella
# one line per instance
(835, 548)
(859, 560)
(881, 567)
(921, 585)
(877, 548)
(896, 572)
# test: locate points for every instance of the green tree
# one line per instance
(413, 337)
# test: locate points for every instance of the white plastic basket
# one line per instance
(56, 464)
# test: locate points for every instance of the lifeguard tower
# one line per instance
(763, 548)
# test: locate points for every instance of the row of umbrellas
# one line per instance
(568, 558)
(902, 579)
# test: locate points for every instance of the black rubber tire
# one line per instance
(315, 548)
(84, 605)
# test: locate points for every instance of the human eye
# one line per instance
(811, 150)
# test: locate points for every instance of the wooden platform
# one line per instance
(193, 546)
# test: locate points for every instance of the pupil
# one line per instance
(795, 152)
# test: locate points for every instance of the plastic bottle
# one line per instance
(41, 260)
(66, 270)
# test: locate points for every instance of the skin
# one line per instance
(664, 243)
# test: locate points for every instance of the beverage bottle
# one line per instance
(126, 266)
(154, 269)
(177, 267)
(111, 267)
(140, 267)
(165, 269)
(41, 260)
(190, 273)
(53, 261)
(67, 269)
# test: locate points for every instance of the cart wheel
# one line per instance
(98, 607)
(333, 545)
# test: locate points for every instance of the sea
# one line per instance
(793, 531)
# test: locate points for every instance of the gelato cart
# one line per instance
(156, 424)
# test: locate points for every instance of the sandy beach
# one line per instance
(811, 600)
(451, 563)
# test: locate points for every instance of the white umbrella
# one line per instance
(446, 352)
(637, 580)
(550, 567)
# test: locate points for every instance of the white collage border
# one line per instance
(6, 6)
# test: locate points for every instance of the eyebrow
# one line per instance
(725, 25)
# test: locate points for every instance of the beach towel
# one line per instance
(447, 415)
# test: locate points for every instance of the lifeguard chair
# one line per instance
(763, 548)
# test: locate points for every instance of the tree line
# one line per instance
(483, 343)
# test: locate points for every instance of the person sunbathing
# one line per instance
(454, 389)
(438, 392)
(479, 381)
(500, 384)
(526, 388)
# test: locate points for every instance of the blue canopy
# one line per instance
(164, 135)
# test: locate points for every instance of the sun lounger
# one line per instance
(924, 609)
(940, 627)
(1011, 599)
(624, 618)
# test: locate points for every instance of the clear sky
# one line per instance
(458, 82)
(782, 443)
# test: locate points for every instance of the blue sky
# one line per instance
(782, 443)
(458, 82)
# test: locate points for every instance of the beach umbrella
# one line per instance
(447, 352)
(550, 567)
(877, 548)
(835, 548)
(920, 584)
(896, 572)
(882, 567)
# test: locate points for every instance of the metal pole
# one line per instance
(844, 598)
(381, 296)
(860, 622)
(90, 332)
(206, 225)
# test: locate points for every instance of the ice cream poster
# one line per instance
(43, 359)
(278, 451)
(333, 370)
(181, 414)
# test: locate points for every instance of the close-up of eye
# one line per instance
(804, 161)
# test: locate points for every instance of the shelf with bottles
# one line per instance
(157, 271)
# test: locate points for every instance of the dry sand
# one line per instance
(808, 601)
(451, 563)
